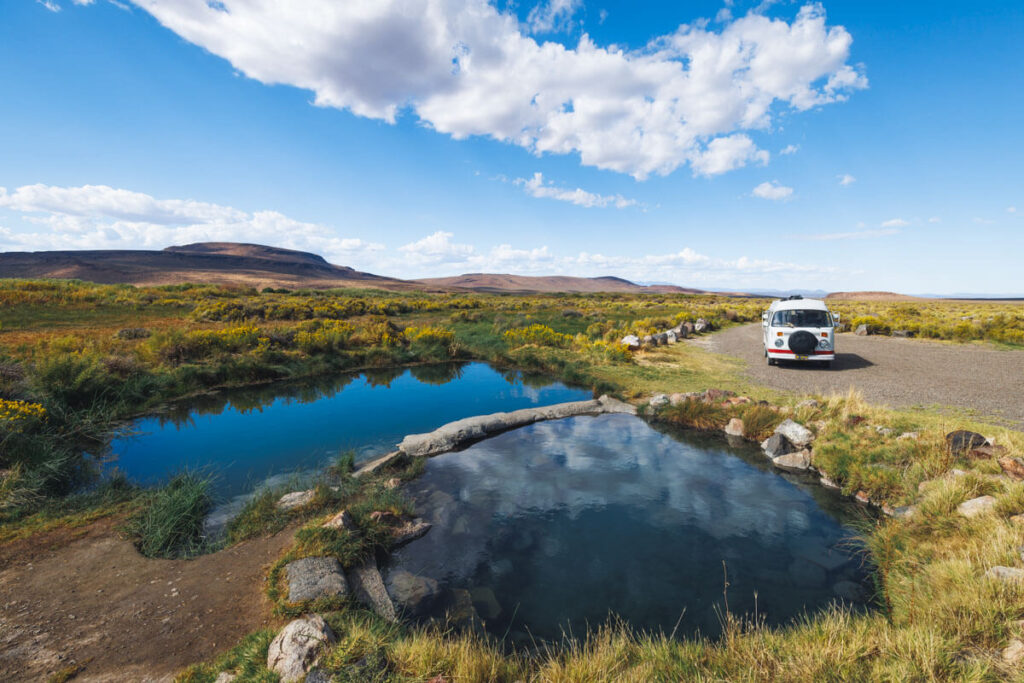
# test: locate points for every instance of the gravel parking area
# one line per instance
(895, 372)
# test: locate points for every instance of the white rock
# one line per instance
(1005, 574)
(793, 461)
(658, 400)
(735, 427)
(225, 677)
(1013, 654)
(908, 435)
(295, 499)
(297, 648)
(631, 340)
(795, 433)
(670, 337)
(976, 506)
(342, 520)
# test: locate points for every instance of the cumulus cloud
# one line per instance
(50, 5)
(895, 223)
(846, 179)
(465, 68)
(552, 15)
(789, 149)
(102, 217)
(536, 187)
(773, 190)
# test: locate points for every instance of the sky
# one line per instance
(846, 145)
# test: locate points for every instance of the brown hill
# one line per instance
(870, 296)
(222, 263)
(493, 282)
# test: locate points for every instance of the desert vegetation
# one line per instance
(78, 360)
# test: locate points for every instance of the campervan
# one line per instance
(799, 330)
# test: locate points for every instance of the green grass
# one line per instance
(170, 521)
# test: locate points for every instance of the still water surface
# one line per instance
(245, 436)
(553, 526)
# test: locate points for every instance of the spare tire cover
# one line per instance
(802, 342)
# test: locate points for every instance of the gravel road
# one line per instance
(895, 372)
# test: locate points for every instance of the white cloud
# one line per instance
(789, 149)
(552, 15)
(535, 187)
(50, 5)
(895, 223)
(934, 219)
(464, 68)
(857, 235)
(773, 190)
(1011, 209)
(846, 179)
(102, 217)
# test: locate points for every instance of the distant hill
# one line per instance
(870, 296)
(493, 282)
(221, 263)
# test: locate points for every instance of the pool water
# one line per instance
(554, 527)
(245, 436)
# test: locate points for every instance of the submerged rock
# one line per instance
(315, 577)
(798, 461)
(849, 591)
(409, 532)
(485, 602)
(384, 461)
(417, 595)
(297, 648)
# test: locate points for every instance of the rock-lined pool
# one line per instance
(552, 527)
(245, 436)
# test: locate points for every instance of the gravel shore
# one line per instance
(895, 372)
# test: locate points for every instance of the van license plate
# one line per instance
(801, 357)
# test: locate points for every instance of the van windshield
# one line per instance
(800, 318)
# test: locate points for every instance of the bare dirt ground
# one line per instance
(86, 599)
(895, 372)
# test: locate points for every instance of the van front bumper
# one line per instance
(786, 354)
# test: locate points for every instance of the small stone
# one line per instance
(809, 403)
(318, 676)
(862, 497)
(908, 435)
(409, 532)
(342, 520)
(631, 341)
(884, 431)
(1013, 467)
(828, 483)
(976, 506)
(295, 499)
(315, 577)
(297, 648)
(658, 400)
(385, 517)
(735, 427)
(901, 512)
(795, 433)
(1006, 574)
(987, 451)
(1013, 654)
(861, 331)
(225, 677)
(393, 483)
(799, 461)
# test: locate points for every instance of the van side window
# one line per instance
(802, 318)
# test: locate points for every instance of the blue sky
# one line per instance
(847, 145)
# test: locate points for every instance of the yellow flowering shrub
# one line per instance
(18, 415)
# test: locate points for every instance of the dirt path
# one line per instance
(896, 372)
(87, 598)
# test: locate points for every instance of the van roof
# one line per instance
(799, 304)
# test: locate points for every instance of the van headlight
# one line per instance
(779, 342)
(825, 345)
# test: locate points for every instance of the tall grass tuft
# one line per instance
(170, 524)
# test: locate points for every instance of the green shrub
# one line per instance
(170, 523)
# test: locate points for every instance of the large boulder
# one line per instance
(298, 647)
(701, 325)
(795, 433)
(315, 577)
(631, 341)
(295, 499)
(416, 595)
(670, 337)
(661, 338)
(976, 506)
(862, 331)
(776, 445)
(961, 441)
(687, 329)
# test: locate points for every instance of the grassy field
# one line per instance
(77, 359)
